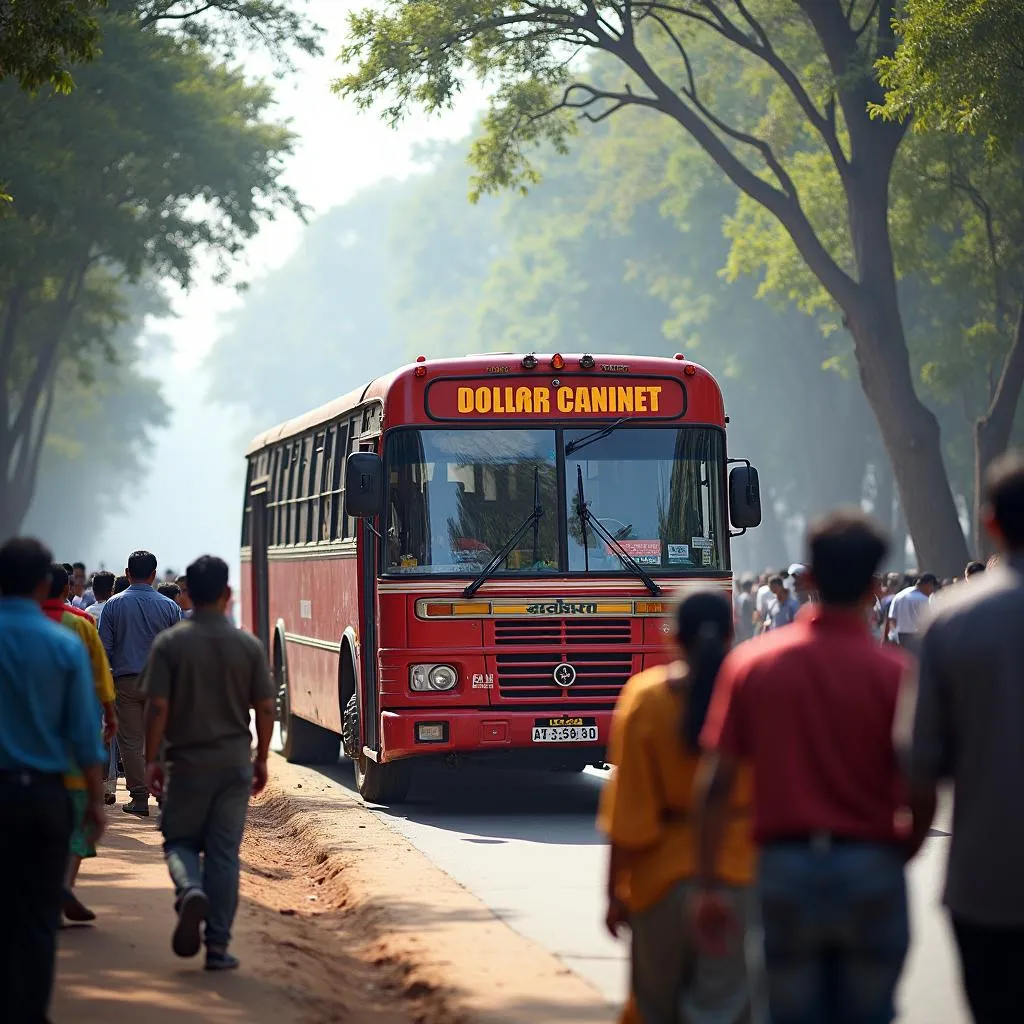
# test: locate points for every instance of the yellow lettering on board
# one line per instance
(625, 396)
(465, 400)
(541, 400)
(524, 400)
(483, 400)
(640, 399)
(498, 406)
(583, 400)
(564, 398)
(598, 399)
(654, 392)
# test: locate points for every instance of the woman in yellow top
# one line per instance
(647, 814)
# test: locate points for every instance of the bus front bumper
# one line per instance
(577, 734)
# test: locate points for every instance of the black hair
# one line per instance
(78, 565)
(103, 585)
(927, 578)
(121, 584)
(59, 577)
(24, 564)
(973, 568)
(207, 579)
(67, 567)
(776, 581)
(182, 581)
(1004, 493)
(704, 632)
(171, 590)
(846, 549)
(141, 565)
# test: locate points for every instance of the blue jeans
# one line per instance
(202, 824)
(835, 931)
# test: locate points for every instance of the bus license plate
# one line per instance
(565, 730)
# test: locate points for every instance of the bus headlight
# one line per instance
(432, 677)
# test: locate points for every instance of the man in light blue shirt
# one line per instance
(128, 626)
(48, 708)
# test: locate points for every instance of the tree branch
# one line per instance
(1001, 412)
(840, 286)
(760, 46)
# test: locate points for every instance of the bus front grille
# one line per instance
(581, 632)
(531, 677)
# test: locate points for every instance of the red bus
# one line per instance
(467, 558)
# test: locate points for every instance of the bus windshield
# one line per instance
(456, 497)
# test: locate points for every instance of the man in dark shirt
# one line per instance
(964, 723)
(811, 708)
(128, 626)
(201, 680)
(48, 710)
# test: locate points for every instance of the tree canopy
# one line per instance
(41, 39)
(959, 68)
(161, 157)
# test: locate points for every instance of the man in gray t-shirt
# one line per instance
(965, 723)
(202, 679)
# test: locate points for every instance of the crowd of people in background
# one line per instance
(100, 674)
(772, 784)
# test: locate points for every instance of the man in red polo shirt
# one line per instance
(811, 708)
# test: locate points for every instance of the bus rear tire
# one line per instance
(375, 783)
(302, 742)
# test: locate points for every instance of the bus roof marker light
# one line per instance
(679, 355)
(529, 362)
(587, 362)
(557, 362)
(690, 370)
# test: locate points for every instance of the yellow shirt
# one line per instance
(647, 806)
(103, 680)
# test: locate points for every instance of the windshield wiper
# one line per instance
(595, 435)
(533, 519)
(587, 518)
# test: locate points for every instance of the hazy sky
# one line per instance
(190, 502)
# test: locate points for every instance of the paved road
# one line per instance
(525, 844)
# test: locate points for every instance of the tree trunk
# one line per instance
(909, 429)
(992, 431)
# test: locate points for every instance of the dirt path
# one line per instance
(299, 948)
(340, 920)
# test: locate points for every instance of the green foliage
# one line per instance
(41, 39)
(959, 68)
(161, 158)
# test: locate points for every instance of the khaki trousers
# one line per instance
(131, 735)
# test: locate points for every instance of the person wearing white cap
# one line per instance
(798, 582)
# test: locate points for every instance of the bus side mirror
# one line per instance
(744, 497)
(364, 485)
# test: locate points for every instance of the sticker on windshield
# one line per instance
(645, 552)
(705, 556)
(702, 543)
(678, 553)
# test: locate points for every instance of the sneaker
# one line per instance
(137, 807)
(221, 960)
(109, 798)
(192, 909)
(75, 910)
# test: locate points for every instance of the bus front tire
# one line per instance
(375, 783)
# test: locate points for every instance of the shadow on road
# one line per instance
(493, 806)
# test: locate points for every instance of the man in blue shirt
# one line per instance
(129, 624)
(48, 709)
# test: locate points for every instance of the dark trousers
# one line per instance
(992, 963)
(835, 931)
(35, 829)
(202, 824)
